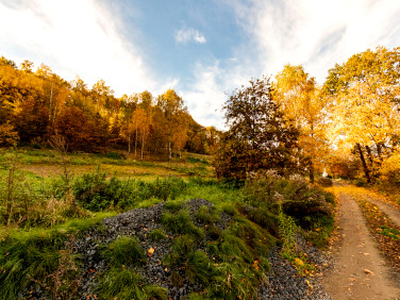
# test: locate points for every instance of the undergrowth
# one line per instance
(229, 263)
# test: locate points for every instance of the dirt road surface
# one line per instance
(359, 270)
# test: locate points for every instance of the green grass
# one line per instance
(37, 253)
(230, 263)
(181, 223)
(123, 283)
(390, 232)
(125, 251)
(157, 235)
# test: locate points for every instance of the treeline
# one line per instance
(36, 105)
(348, 127)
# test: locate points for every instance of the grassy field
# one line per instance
(47, 163)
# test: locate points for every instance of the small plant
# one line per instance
(389, 232)
(121, 283)
(199, 268)
(125, 251)
(173, 206)
(157, 235)
(180, 223)
(287, 231)
(206, 215)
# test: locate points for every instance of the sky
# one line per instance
(202, 49)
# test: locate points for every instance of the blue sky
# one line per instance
(204, 49)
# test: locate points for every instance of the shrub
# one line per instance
(294, 195)
(113, 155)
(94, 192)
(324, 181)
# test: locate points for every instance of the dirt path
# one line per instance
(359, 271)
(392, 211)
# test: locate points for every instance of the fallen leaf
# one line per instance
(150, 252)
(366, 271)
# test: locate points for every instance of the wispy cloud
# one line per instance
(75, 37)
(316, 33)
(211, 87)
(185, 35)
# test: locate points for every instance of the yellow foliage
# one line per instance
(390, 170)
(8, 136)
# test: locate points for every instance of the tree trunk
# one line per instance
(366, 170)
(129, 143)
(312, 178)
(379, 150)
(142, 152)
(135, 140)
(371, 159)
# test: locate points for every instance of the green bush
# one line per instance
(96, 193)
(294, 195)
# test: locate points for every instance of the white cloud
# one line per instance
(211, 88)
(205, 95)
(317, 33)
(185, 35)
(73, 37)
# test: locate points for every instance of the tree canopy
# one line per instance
(259, 137)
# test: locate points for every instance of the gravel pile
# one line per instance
(139, 223)
(284, 281)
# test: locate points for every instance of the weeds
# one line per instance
(125, 251)
(181, 223)
(64, 281)
(157, 235)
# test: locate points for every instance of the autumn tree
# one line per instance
(172, 120)
(305, 106)
(8, 135)
(75, 127)
(259, 137)
(128, 107)
(367, 116)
